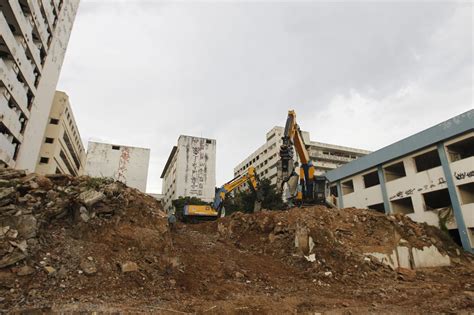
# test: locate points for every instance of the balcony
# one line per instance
(7, 149)
(26, 30)
(48, 10)
(17, 50)
(15, 88)
(10, 117)
(40, 22)
(328, 157)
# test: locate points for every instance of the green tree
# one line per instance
(244, 201)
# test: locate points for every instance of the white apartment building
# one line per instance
(426, 176)
(33, 40)
(190, 171)
(324, 156)
(62, 151)
(123, 163)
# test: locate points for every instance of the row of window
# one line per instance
(457, 151)
(432, 200)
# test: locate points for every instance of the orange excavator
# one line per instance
(303, 186)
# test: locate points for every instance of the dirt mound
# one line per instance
(73, 238)
(94, 245)
(345, 244)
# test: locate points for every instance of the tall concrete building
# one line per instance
(428, 176)
(33, 40)
(123, 163)
(190, 170)
(62, 151)
(324, 156)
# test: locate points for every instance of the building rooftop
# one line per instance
(457, 125)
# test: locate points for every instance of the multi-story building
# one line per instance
(33, 40)
(123, 163)
(62, 151)
(324, 156)
(428, 176)
(190, 171)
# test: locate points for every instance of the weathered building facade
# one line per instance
(324, 156)
(190, 170)
(428, 177)
(33, 39)
(62, 151)
(123, 163)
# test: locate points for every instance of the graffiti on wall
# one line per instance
(463, 175)
(411, 191)
(197, 158)
(123, 165)
(441, 181)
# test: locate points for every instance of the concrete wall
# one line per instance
(126, 164)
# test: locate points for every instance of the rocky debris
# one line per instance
(129, 266)
(91, 197)
(25, 271)
(28, 203)
(88, 267)
(331, 243)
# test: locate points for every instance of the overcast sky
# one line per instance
(359, 74)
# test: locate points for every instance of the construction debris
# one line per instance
(70, 244)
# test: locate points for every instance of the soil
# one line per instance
(128, 261)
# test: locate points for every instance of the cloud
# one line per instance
(360, 74)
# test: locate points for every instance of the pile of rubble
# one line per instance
(56, 229)
(347, 244)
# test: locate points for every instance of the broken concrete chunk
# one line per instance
(91, 197)
(12, 234)
(26, 226)
(129, 267)
(4, 230)
(84, 214)
(20, 245)
(12, 258)
(50, 270)
(25, 271)
(88, 267)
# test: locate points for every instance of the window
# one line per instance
(395, 171)
(427, 161)
(466, 192)
(333, 191)
(461, 150)
(347, 187)
(44, 160)
(115, 147)
(54, 121)
(403, 206)
(371, 179)
(437, 199)
(379, 207)
(208, 141)
(49, 140)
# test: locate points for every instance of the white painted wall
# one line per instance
(127, 164)
(196, 168)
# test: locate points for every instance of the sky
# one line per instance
(358, 74)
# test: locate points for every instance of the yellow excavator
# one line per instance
(304, 187)
(216, 210)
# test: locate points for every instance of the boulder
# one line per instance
(25, 271)
(91, 197)
(88, 267)
(129, 266)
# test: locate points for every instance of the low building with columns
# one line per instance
(428, 176)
